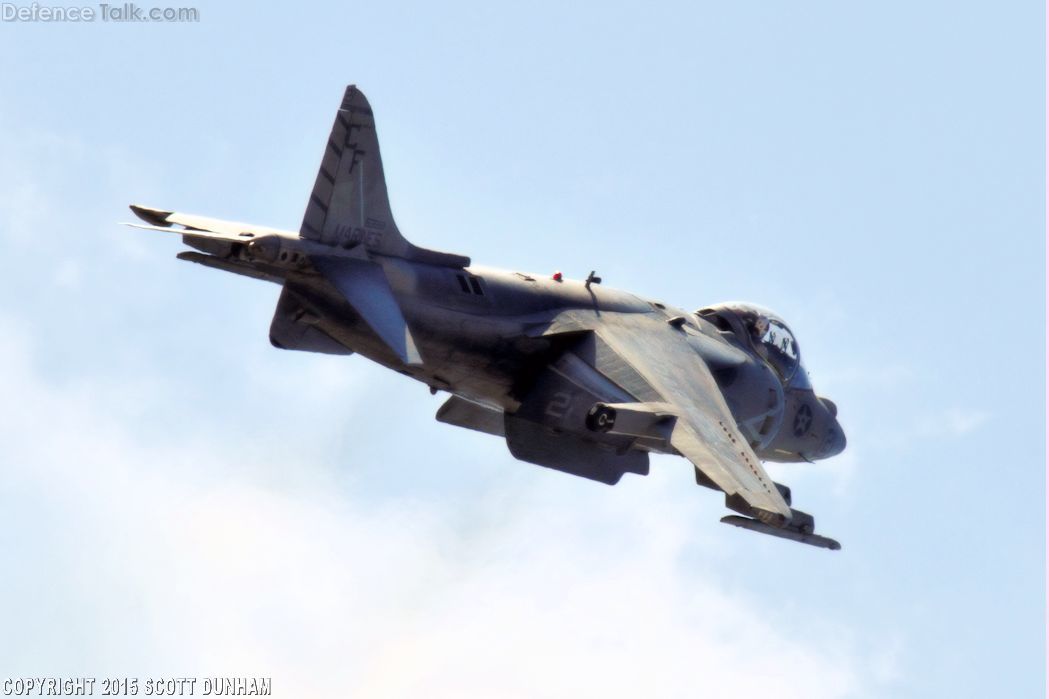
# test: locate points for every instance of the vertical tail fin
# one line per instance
(349, 205)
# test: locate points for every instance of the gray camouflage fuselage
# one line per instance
(573, 375)
(482, 346)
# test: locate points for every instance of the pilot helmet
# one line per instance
(759, 326)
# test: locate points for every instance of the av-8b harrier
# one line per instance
(575, 376)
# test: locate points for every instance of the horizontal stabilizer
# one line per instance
(365, 287)
(156, 217)
(161, 220)
(197, 233)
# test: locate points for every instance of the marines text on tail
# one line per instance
(575, 377)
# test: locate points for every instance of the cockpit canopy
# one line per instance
(765, 333)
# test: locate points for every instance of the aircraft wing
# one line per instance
(704, 432)
(200, 226)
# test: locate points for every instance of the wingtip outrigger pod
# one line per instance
(791, 531)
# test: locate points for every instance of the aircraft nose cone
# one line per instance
(834, 443)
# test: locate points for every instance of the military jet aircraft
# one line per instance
(573, 375)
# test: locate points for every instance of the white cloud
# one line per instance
(145, 534)
(138, 557)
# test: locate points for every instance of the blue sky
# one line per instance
(179, 498)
